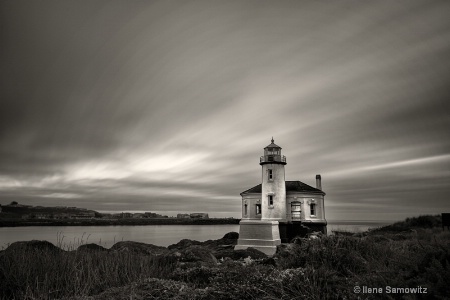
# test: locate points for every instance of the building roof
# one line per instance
(272, 145)
(291, 186)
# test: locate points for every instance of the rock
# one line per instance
(196, 254)
(140, 248)
(91, 247)
(184, 243)
(240, 254)
(231, 236)
(268, 261)
(227, 242)
(33, 245)
(225, 247)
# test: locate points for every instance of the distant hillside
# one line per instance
(426, 221)
(20, 211)
(15, 214)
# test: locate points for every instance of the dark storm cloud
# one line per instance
(164, 106)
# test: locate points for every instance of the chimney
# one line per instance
(318, 182)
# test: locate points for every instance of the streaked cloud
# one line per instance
(166, 106)
(61, 195)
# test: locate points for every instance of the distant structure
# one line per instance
(277, 210)
(193, 216)
(199, 216)
(40, 212)
(183, 216)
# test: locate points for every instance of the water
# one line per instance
(70, 237)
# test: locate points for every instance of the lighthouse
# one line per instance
(273, 183)
(277, 210)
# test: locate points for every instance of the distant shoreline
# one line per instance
(116, 222)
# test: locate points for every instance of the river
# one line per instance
(70, 237)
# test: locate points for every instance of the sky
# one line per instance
(166, 106)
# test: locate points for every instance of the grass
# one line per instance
(326, 268)
(50, 273)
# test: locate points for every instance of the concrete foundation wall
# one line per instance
(261, 235)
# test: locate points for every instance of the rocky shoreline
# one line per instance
(404, 255)
(185, 251)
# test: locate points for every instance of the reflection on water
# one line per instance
(70, 237)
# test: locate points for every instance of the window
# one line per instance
(270, 174)
(270, 200)
(245, 209)
(296, 210)
(270, 158)
(258, 209)
(313, 209)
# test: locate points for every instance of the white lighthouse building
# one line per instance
(277, 210)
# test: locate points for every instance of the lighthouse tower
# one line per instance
(273, 184)
(260, 227)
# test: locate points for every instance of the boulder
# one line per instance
(139, 248)
(196, 254)
(268, 261)
(91, 248)
(227, 241)
(231, 236)
(240, 254)
(184, 243)
(34, 245)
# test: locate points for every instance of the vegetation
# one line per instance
(44, 273)
(411, 223)
(323, 268)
